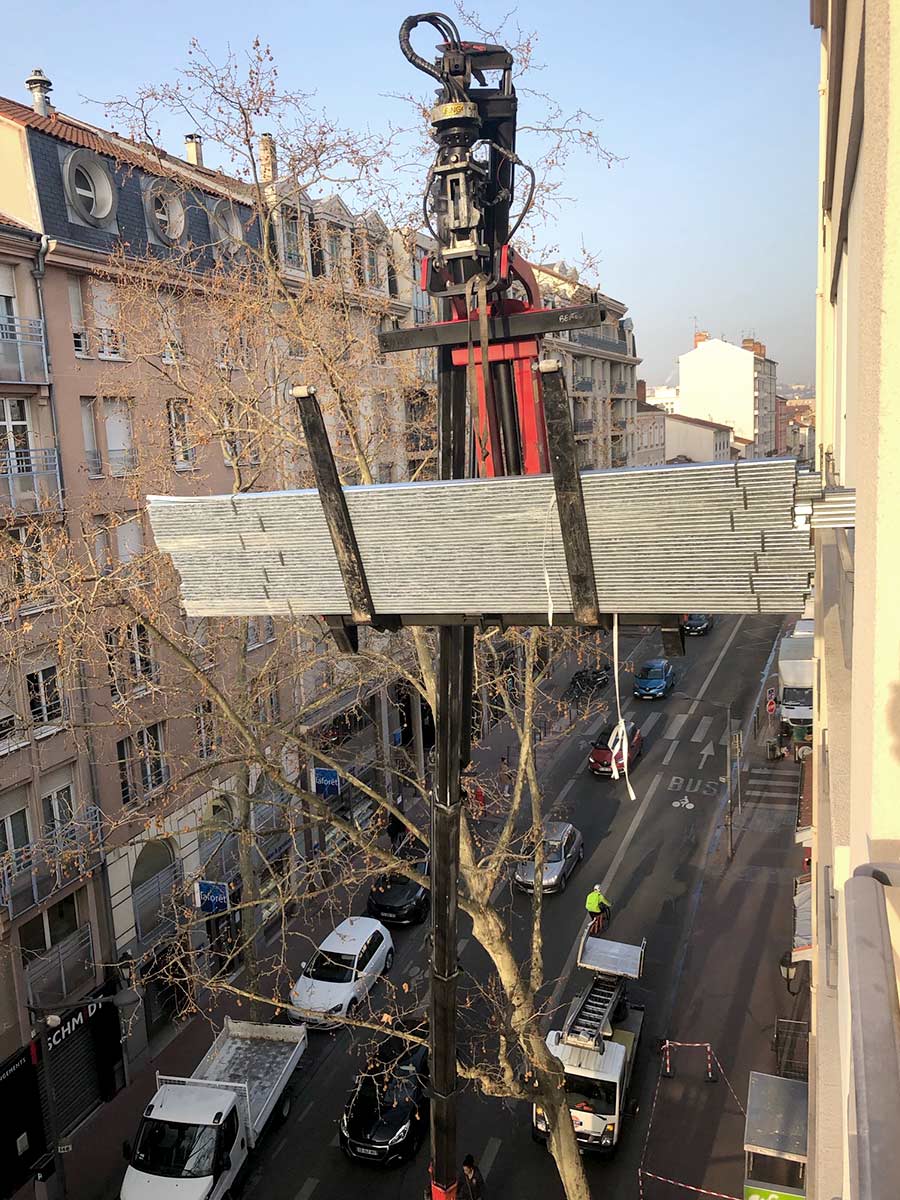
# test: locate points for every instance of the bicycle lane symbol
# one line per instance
(682, 803)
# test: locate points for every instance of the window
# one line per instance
(316, 255)
(102, 549)
(268, 706)
(241, 446)
(14, 833)
(421, 299)
(28, 557)
(269, 629)
(179, 435)
(165, 212)
(89, 435)
(119, 435)
(58, 811)
(43, 697)
(293, 239)
(206, 734)
(142, 764)
(48, 929)
(76, 311)
(197, 629)
(110, 342)
(335, 248)
(372, 266)
(89, 187)
(253, 633)
(129, 659)
(129, 539)
(225, 228)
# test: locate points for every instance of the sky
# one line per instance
(708, 217)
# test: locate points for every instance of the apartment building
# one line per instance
(732, 385)
(854, 1089)
(650, 433)
(103, 397)
(601, 372)
(689, 439)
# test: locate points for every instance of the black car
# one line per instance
(396, 899)
(586, 682)
(697, 624)
(386, 1115)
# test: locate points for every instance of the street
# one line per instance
(648, 856)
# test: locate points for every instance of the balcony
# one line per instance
(612, 345)
(154, 902)
(22, 357)
(618, 426)
(29, 480)
(61, 971)
(582, 383)
(584, 426)
(618, 389)
(121, 461)
(33, 873)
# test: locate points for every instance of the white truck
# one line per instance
(795, 681)
(195, 1134)
(598, 1043)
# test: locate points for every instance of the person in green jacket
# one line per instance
(599, 908)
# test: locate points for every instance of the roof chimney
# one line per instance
(700, 335)
(40, 87)
(268, 159)
(193, 149)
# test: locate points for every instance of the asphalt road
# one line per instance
(649, 856)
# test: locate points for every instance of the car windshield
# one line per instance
(797, 696)
(594, 1095)
(652, 673)
(553, 852)
(176, 1150)
(331, 967)
(697, 617)
(602, 742)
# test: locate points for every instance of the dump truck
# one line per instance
(795, 682)
(598, 1043)
(196, 1134)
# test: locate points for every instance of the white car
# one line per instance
(342, 972)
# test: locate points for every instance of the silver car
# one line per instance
(563, 849)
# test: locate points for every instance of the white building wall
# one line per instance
(698, 442)
(716, 384)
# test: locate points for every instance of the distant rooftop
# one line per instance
(697, 421)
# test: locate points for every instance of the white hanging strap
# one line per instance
(618, 739)
(549, 512)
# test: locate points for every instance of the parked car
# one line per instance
(386, 1115)
(697, 624)
(655, 679)
(342, 972)
(601, 757)
(586, 682)
(396, 899)
(563, 850)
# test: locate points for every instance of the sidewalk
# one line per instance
(730, 991)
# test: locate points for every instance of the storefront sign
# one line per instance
(210, 897)
(328, 782)
(762, 1191)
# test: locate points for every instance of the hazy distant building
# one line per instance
(650, 438)
(691, 439)
(664, 397)
(731, 385)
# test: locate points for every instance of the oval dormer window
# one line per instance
(225, 227)
(165, 212)
(89, 186)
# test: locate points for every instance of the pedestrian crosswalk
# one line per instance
(700, 732)
(780, 783)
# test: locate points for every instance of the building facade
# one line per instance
(731, 385)
(689, 439)
(650, 431)
(854, 1093)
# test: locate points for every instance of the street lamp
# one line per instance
(49, 1019)
(788, 969)
(728, 772)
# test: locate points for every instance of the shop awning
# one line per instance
(777, 1116)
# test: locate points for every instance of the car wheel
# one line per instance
(284, 1107)
(388, 961)
(563, 880)
(581, 852)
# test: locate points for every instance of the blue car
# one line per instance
(655, 679)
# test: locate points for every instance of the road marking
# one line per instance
(701, 690)
(307, 1190)
(775, 793)
(284, 1141)
(647, 725)
(562, 795)
(461, 945)
(487, 1159)
(335, 1141)
(566, 973)
(669, 753)
(723, 740)
(700, 732)
(707, 752)
(674, 726)
(790, 772)
(682, 803)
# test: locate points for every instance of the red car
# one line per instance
(600, 761)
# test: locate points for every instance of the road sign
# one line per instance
(770, 707)
(211, 897)
(737, 743)
(770, 693)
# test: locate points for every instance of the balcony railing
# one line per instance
(583, 383)
(29, 479)
(584, 425)
(613, 345)
(619, 426)
(121, 461)
(61, 971)
(67, 852)
(618, 389)
(154, 905)
(94, 462)
(22, 357)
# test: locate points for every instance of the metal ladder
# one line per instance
(590, 1018)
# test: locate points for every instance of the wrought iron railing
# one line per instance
(121, 461)
(60, 972)
(584, 425)
(583, 383)
(29, 479)
(154, 904)
(618, 389)
(66, 852)
(22, 356)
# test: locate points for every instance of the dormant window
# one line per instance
(142, 763)
(80, 338)
(130, 659)
(206, 733)
(179, 434)
(119, 435)
(110, 340)
(44, 699)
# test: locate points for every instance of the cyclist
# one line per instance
(599, 908)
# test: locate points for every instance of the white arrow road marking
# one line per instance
(707, 752)
(700, 732)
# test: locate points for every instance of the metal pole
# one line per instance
(728, 785)
(58, 1189)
